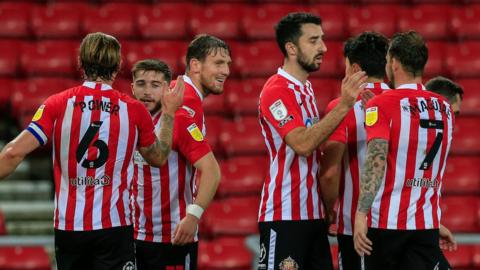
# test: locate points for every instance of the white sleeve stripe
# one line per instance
(38, 133)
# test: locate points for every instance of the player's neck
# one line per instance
(101, 81)
(295, 70)
(400, 80)
(374, 80)
(196, 82)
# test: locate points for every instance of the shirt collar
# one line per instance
(187, 79)
(382, 85)
(412, 86)
(99, 86)
(289, 77)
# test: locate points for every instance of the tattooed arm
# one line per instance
(370, 181)
(157, 153)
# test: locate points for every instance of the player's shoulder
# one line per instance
(276, 86)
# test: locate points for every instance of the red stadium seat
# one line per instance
(34, 258)
(8, 89)
(465, 135)
(3, 227)
(378, 18)
(221, 20)
(464, 22)
(333, 63)
(15, 19)
(123, 85)
(242, 175)
(258, 20)
(232, 216)
(476, 256)
(460, 213)
(167, 51)
(243, 95)
(436, 58)
(261, 58)
(60, 20)
(434, 1)
(463, 59)
(224, 253)
(334, 23)
(462, 175)
(325, 91)
(164, 21)
(431, 21)
(9, 57)
(116, 19)
(214, 104)
(242, 136)
(48, 58)
(214, 126)
(471, 98)
(462, 257)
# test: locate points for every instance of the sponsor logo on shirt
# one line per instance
(138, 159)
(90, 181)
(308, 122)
(38, 114)
(278, 110)
(195, 132)
(422, 183)
(371, 116)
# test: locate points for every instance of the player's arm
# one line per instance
(329, 175)
(15, 151)
(306, 140)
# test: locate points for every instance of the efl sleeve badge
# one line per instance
(38, 114)
(195, 132)
(371, 116)
(278, 110)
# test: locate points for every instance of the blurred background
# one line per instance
(38, 57)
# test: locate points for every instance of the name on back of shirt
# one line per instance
(426, 105)
(104, 106)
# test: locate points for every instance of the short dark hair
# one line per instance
(410, 49)
(445, 87)
(202, 45)
(99, 56)
(369, 51)
(289, 28)
(152, 65)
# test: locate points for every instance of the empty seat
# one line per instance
(15, 257)
(224, 253)
(460, 213)
(214, 104)
(463, 59)
(164, 21)
(431, 21)
(462, 258)
(378, 18)
(436, 59)
(260, 59)
(471, 99)
(15, 19)
(9, 57)
(325, 91)
(465, 135)
(334, 23)
(214, 124)
(242, 137)
(7, 90)
(242, 175)
(116, 19)
(60, 20)
(47, 58)
(462, 175)
(123, 85)
(243, 95)
(259, 20)
(221, 20)
(232, 216)
(464, 23)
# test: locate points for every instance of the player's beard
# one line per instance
(157, 108)
(308, 66)
(207, 89)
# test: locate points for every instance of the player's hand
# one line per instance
(172, 99)
(185, 230)
(362, 244)
(447, 240)
(366, 96)
(331, 216)
(352, 85)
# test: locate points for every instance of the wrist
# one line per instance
(168, 112)
(195, 210)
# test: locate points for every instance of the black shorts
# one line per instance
(348, 258)
(99, 249)
(294, 245)
(395, 249)
(165, 256)
(444, 265)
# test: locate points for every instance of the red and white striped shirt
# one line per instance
(290, 191)
(161, 195)
(418, 125)
(94, 130)
(351, 132)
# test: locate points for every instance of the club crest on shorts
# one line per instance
(129, 266)
(195, 132)
(288, 264)
(371, 116)
(278, 110)
(38, 114)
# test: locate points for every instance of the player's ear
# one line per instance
(195, 65)
(291, 49)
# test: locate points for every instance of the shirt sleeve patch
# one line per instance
(371, 116)
(189, 110)
(195, 132)
(38, 114)
(278, 110)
